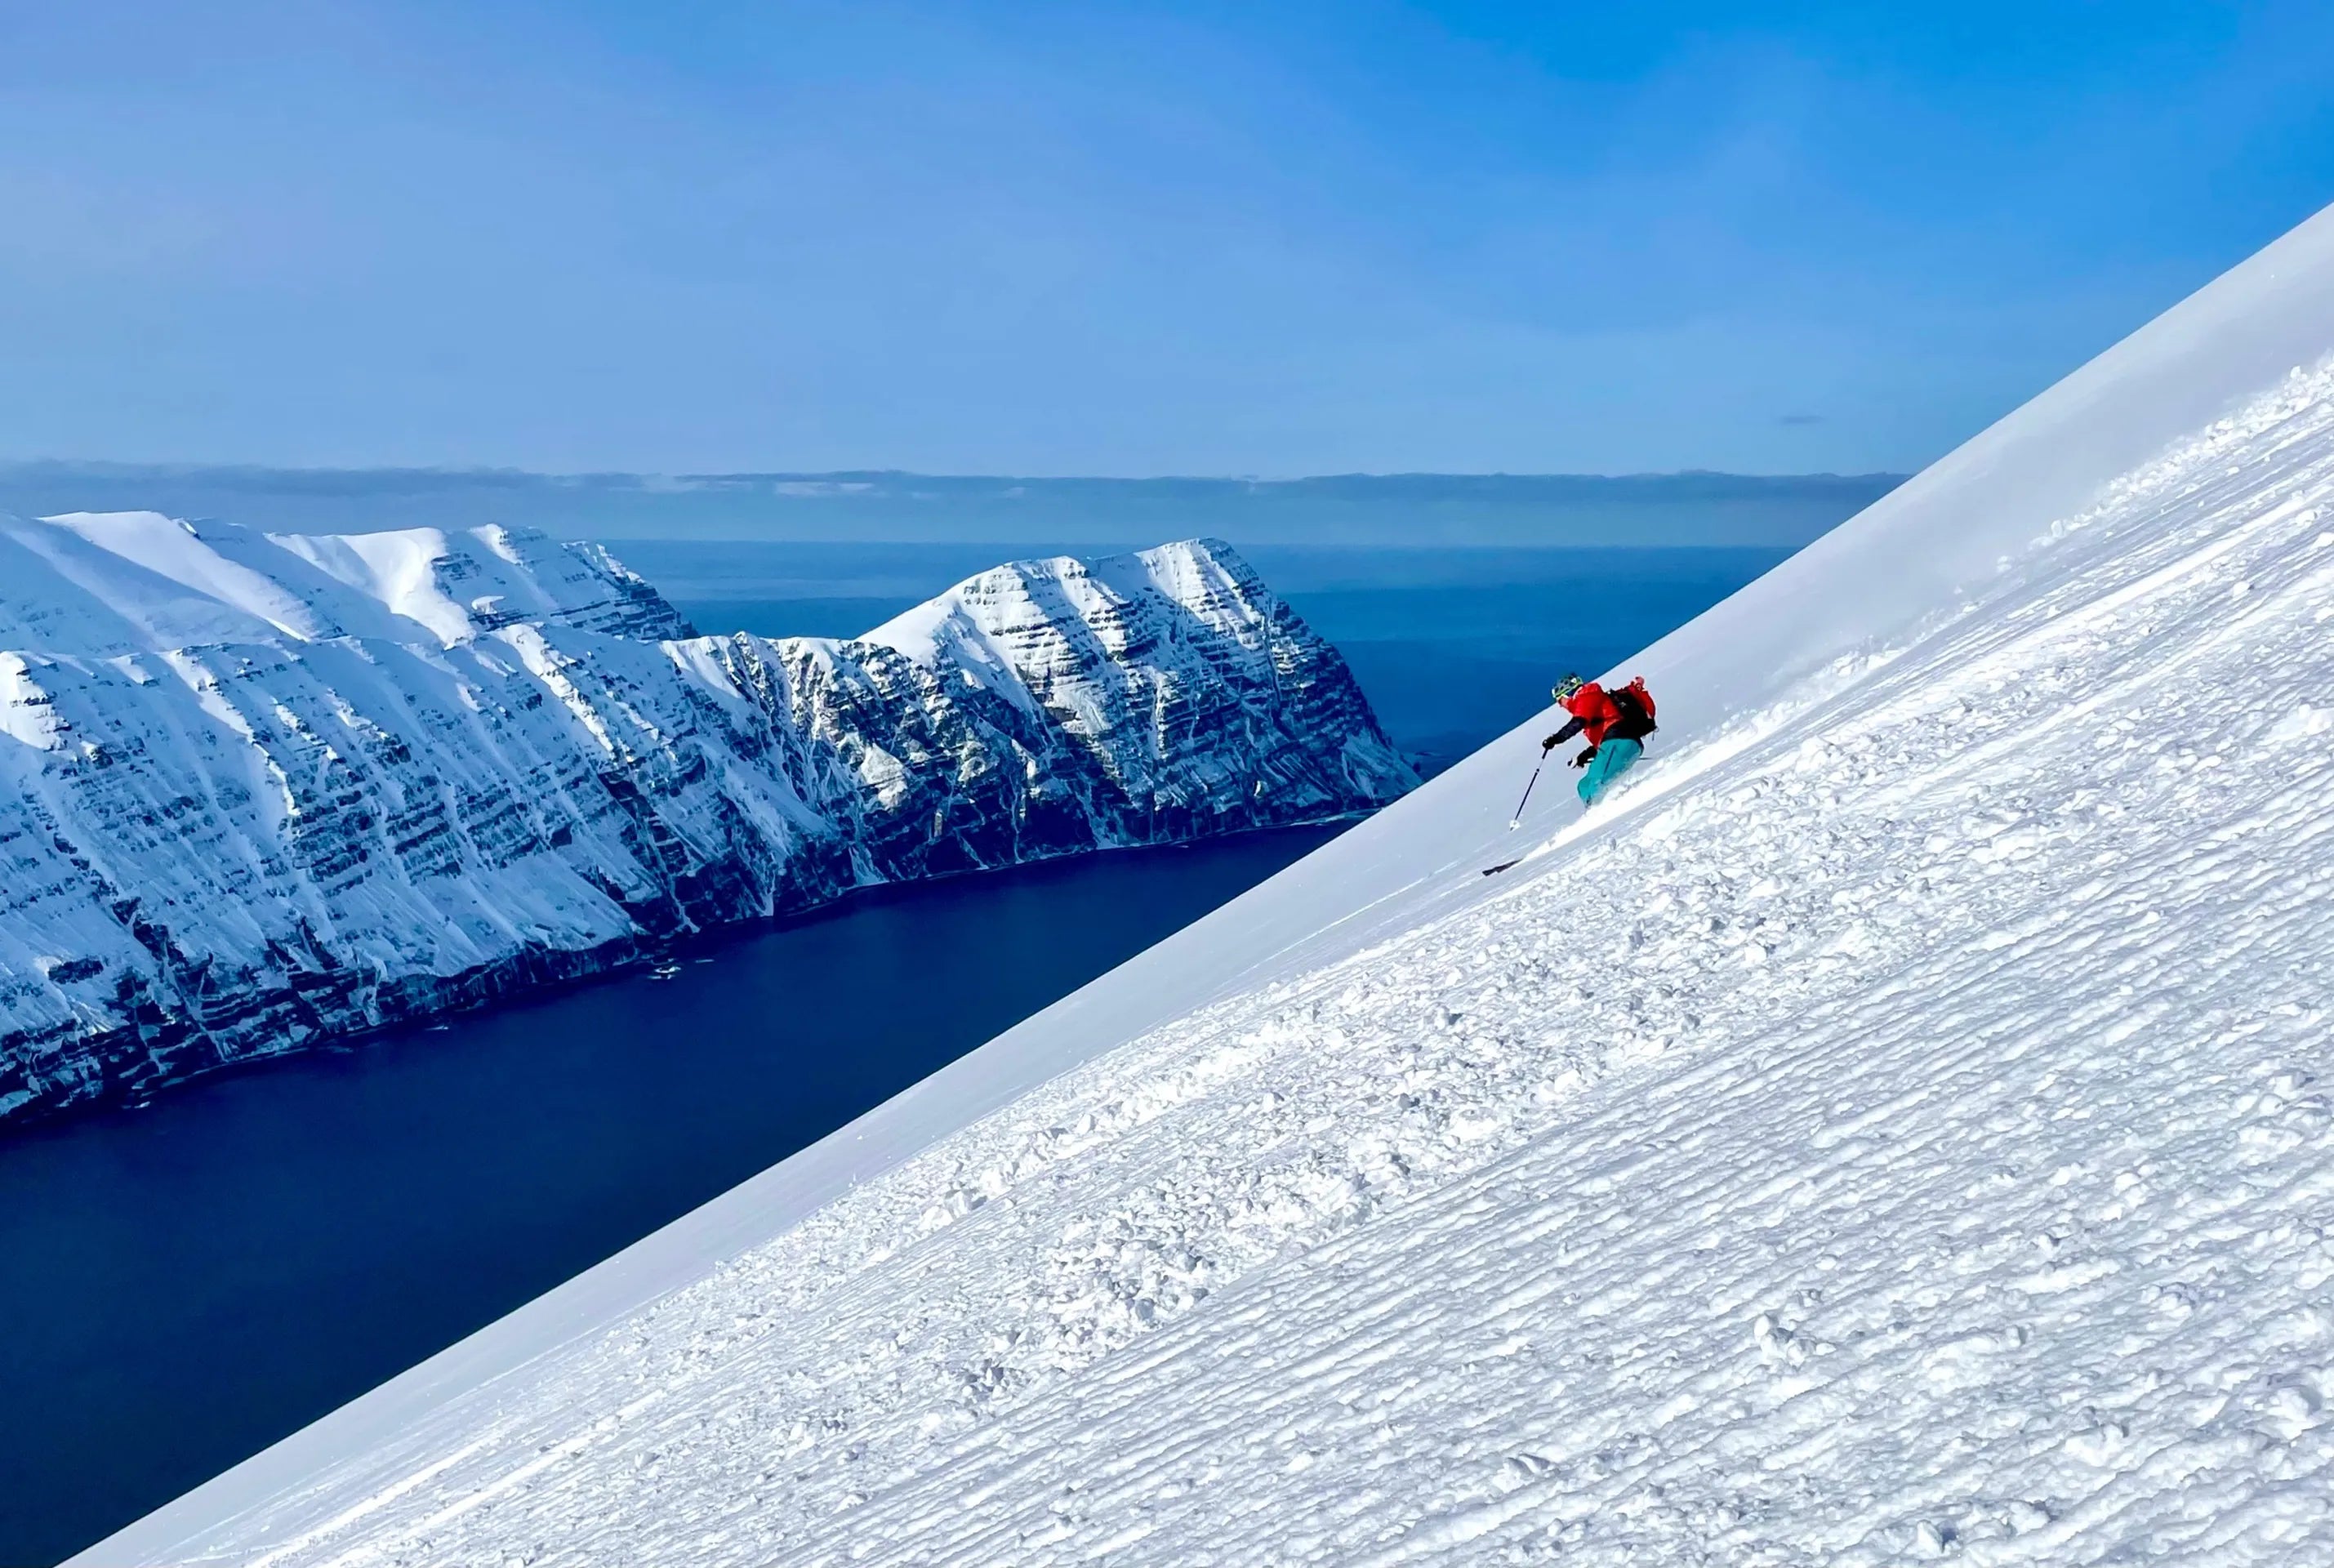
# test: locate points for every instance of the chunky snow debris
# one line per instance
(1895, 1126)
(268, 789)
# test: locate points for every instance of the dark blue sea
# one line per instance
(182, 1285)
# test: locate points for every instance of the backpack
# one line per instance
(1637, 705)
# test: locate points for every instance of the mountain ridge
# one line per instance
(276, 790)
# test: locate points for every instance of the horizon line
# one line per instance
(126, 467)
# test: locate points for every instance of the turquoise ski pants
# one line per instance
(1612, 760)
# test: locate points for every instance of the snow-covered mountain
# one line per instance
(269, 788)
(1893, 1127)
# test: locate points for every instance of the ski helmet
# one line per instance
(1568, 686)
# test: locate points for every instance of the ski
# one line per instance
(1495, 871)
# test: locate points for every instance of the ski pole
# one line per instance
(1516, 820)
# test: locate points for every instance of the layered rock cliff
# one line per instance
(261, 790)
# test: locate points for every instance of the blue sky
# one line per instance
(1088, 238)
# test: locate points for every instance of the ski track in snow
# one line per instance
(1897, 1132)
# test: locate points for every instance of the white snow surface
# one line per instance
(94, 584)
(1893, 1127)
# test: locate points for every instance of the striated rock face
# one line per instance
(261, 790)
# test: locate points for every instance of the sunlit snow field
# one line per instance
(189, 1281)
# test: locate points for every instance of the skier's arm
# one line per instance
(1559, 737)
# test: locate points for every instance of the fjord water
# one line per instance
(182, 1285)
(188, 1282)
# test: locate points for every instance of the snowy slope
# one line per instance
(269, 789)
(1890, 1129)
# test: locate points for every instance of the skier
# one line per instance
(1615, 723)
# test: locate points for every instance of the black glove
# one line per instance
(1584, 757)
(1548, 745)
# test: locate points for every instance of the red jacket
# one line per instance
(1594, 711)
(1595, 716)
